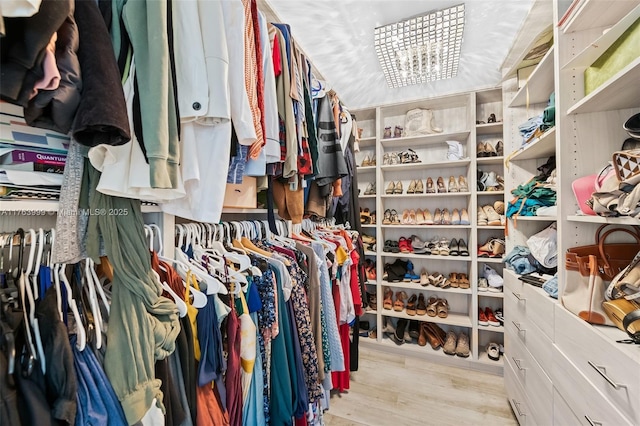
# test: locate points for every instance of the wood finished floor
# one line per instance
(402, 391)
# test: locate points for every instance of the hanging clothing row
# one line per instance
(262, 336)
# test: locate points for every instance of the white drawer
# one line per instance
(589, 406)
(562, 414)
(539, 308)
(516, 395)
(535, 382)
(536, 342)
(515, 304)
(611, 367)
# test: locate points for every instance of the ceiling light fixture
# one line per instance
(421, 49)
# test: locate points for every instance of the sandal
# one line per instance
(365, 217)
(411, 305)
(398, 305)
(436, 278)
(430, 188)
(498, 248)
(421, 308)
(366, 162)
(434, 246)
(441, 187)
(388, 246)
(405, 245)
(463, 250)
(413, 156)
(453, 280)
(432, 308)
(442, 308)
(454, 249)
(386, 220)
(394, 217)
(463, 281)
(444, 247)
(395, 247)
(388, 298)
(462, 184)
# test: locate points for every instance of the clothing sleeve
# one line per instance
(241, 116)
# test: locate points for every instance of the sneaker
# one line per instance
(499, 316)
(483, 285)
(493, 351)
(462, 348)
(493, 278)
(450, 343)
(491, 318)
(482, 317)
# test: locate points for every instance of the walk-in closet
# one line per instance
(277, 212)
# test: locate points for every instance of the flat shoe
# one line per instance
(432, 306)
(421, 307)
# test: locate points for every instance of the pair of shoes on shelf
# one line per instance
(431, 333)
(368, 161)
(437, 307)
(398, 132)
(409, 156)
(390, 217)
(368, 242)
(494, 351)
(459, 280)
(370, 270)
(494, 247)
(416, 305)
(394, 188)
(391, 246)
(415, 187)
(371, 189)
(456, 344)
(390, 159)
(486, 317)
(489, 181)
(366, 217)
(488, 215)
(486, 149)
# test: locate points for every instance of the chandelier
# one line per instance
(421, 49)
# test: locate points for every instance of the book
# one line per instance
(26, 156)
(34, 167)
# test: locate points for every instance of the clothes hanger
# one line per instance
(98, 286)
(25, 288)
(33, 277)
(81, 333)
(56, 275)
(93, 303)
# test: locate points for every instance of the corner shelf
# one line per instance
(489, 128)
(490, 259)
(365, 169)
(544, 146)
(367, 142)
(420, 287)
(597, 13)
(490, 160)
(499, 295)
(539, 85)
(454, 319)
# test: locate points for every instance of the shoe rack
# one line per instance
(544, 342)
(456, 116)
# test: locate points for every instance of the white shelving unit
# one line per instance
(455, 114)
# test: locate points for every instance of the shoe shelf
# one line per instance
(370, 253)
(599, 219)
(390, 345)
(401, 226)
(534, 218)
(426, 165)
(420, 287)
(597, 13)
(366, 169)
(595, 49)
(436, 194)
(544, 146)
(425, 140)
(539, 85)
(489, 128)
(495, 329)
(490, 160)
(368, 226)
(485, 193)
(454, 319)
(619, 92)
(427, 256)
(367, 196)
(367, 142)
(480, 227)
(490, 259)
(495, 295)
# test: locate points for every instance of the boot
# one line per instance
(398, 336)
(432, 122)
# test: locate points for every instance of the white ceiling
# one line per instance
(338, 38)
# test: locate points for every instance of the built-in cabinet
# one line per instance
(559, 369)
(462, 118)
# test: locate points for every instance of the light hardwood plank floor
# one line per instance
(398, 390)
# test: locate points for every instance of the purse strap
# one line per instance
(603, 256)
(600, 236)
(629, 319)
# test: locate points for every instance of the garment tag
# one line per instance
(293, 183)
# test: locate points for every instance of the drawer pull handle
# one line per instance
(518, 364)
(601, 371)
(592, 422)
(517, 405)
(519, 297)
(517, 326)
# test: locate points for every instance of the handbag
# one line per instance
(623, 300)
(587, 269)
(583, 188)
(627, 166)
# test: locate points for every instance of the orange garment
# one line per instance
(210, 411)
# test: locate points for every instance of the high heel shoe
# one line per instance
(481, 151)
(419, 187)
(386, 219)
(390, 188)
(453, 186)
(420, 219)
(398, 188)
(491, 151)
(446, 217)
(454, 248)
(500, 148)
(464, 217)
(441, 187)
(437, 217)
(445, 249)
(371, 189)
(455, 217)
(462, 184)
(430, 188)
(366, 162)
(463, 250)
(394, 217)
(412, 187)
(428, 219)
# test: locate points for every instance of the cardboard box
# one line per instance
(243, 195)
